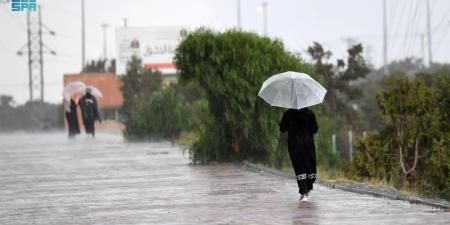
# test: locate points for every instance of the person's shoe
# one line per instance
(304, 198)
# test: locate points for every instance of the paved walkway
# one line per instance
(47, 179)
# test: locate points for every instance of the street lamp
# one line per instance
(105, 47)
(264, 8)
(83, 37)
(238, 4)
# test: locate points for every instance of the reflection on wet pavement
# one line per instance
(47, 179)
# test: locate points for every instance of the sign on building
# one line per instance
(154, 45)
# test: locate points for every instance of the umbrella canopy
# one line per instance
(94, 91)
(73, 87)
(292, 90)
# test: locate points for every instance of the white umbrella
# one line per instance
(292, 90)
(73, 87)
(94, 91)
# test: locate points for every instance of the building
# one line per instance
(109, 85)
(154, 45)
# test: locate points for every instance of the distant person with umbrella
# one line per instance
(89, 111)
(70, 106)
(297, 91)
(70, 109)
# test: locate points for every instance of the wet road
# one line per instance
(47, 179)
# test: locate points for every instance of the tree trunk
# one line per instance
(405, 171)
(236, 142)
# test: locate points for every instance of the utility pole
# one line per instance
(385, 43)
(350, 145)
(333, 143)
(41, 61)
(430, 53)
(105, 47)
(30, 73)
(349, 41)
(422, 46)
(35, 50)
(264, 8)
(83, 37)
(239, 14)
(125, 22)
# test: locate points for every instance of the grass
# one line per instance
(329, 175)
(188, 138)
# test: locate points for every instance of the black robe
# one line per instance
(72, 120)
(301, 126)
(89, 111)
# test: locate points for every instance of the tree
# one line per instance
(338, 79)
(231, 67)
(100, 65)
(32, 116)
(6, 101)
(138, 86)
(436, 166)
(375, 81)
(411, 150)
(338, 114)
(406, 108)
(163, 116)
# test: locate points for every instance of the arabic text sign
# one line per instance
(154, 45)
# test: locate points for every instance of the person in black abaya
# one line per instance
(89, 112)
(301, 126)
(70, 109)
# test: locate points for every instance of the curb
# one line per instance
(387, 193)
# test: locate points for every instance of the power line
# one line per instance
(61, 10)
(433, 7)
(35, 53)
(438, 26)
(5, 47)
(406, 13)
(441, 40)
(442, 20)
(414, 35)
(392, 15)
(15, 19)
(65, 61)
(69, 56)
(395, 36)
(69, 36)
(408, 27)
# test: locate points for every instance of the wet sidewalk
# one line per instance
(47, 179)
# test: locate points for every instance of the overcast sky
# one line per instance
(297, 22)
